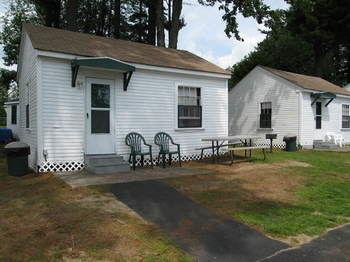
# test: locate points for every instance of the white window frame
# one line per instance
(316, 115)
(16, 118)
(27, 117)
(176, 102)
(259, 113)
(341, 116)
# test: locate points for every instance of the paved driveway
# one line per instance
(209, 237)
(194, 228)
(331, 247)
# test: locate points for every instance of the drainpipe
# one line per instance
(300, 115)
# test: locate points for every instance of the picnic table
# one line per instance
(219, 141)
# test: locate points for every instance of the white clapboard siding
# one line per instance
(28, 81)
(331, 119)
(244, 105)
(63, 113)
(148, 106)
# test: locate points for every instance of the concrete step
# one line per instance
(105, 161)
(109, 169)
(103, 156)
(324, 145)
(104, 164)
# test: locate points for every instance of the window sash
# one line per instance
(189, 116)
(27, 116)
(13, 114)
(189, 107)
(190, 96)
(345, 116)
(265, 114)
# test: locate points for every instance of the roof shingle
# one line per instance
(308, 82)
(62, 41)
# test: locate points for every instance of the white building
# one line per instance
(274, 101)
(81, 95)
(12, 116)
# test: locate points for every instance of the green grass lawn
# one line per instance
(43, 219)
(323, 200)
(318, 198)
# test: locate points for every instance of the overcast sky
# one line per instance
(204, 33)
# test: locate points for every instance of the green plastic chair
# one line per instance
(163, 140)
(136, 142)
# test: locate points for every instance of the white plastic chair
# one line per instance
(329, 137)
(338, 139)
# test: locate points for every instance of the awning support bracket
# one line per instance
(126, 80)
(314, 101)
(330, 100)
(103, 62)
(75, 70)
(324, 96)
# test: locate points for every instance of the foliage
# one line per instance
(7, 81)
(19, 11)
(284, 51)
(137, 20)
(310, 37)
(249, 8)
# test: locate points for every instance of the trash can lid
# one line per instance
(16, 145)
(290, 135)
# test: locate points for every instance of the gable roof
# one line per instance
(308, 82)
(62, 41)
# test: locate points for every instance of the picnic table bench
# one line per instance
(217, 142)
(245, 148)
(216, 147)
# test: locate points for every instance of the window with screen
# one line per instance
(345, 117)
(318, 115)
(100, 109)
(14, 114)
(265, 114)
(189, 107)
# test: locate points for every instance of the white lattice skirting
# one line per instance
(279, 145)
(76, 166)
(60, 166)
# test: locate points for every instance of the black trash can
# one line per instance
(17, 158)
(291, 143)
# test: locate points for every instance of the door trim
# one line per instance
(97, 80)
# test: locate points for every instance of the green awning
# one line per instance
(325, 95)
(103, 62)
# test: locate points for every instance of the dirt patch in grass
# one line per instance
(41, 218)
(262, 181)
(107, 202)
(241, 167)
(296, 240)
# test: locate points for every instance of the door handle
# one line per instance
(87, 115)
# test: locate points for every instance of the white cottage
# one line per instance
(274, 101)
(12, 116)
(81, 95)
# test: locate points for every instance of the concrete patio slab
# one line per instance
(85, 178)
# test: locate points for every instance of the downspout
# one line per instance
(300, 115)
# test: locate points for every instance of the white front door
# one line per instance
(100, 116)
